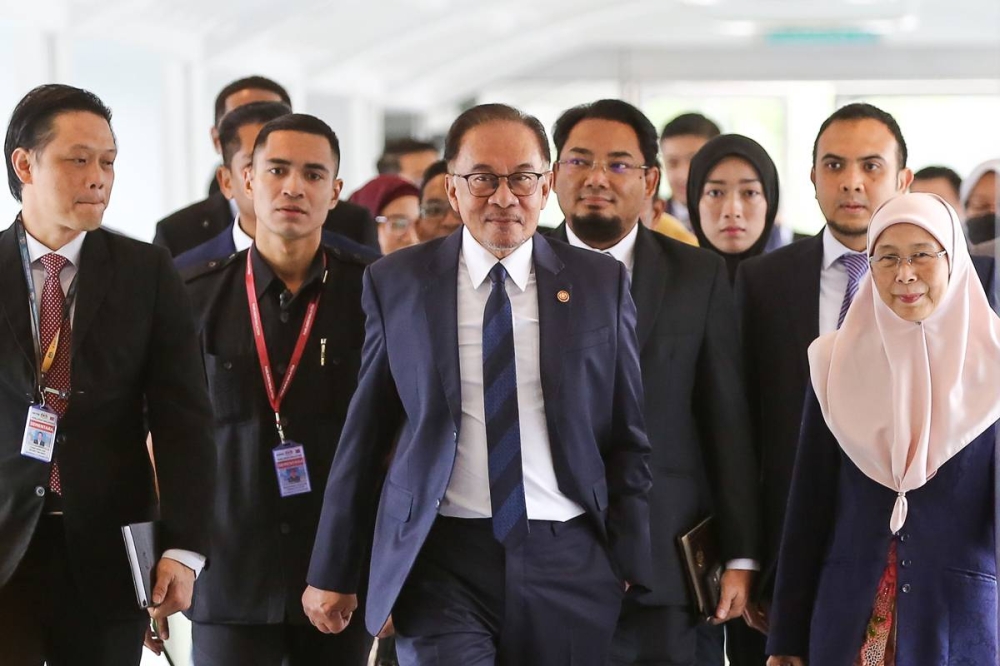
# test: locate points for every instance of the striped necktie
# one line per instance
(857, 267)
(503, 431)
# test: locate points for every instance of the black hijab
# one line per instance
(713, 152)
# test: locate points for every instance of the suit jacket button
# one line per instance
(61, 438)
(285, 528)
(437, 504)
(906, 563)
(904, 537)
(40, 491)
(204, 224)
(228, 365)
(906, 588)
(455, 435)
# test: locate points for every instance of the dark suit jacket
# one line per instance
(200, 222)
(695, 408)
(134, 344)
(410, 385)
(222, 246)
(261, 542)
(835, 545)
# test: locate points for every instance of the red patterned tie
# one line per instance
(58, 374)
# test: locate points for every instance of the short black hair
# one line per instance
(388, 161)
(865, 111)
(248, 83)
(433, 171)
(299, 122)
(30, 125)
(936, 171)
(690, 124)
(257, 113)
(488, 113)
(615, 110)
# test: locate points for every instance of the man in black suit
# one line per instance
(247, 608)
(695, 410)
(501, 369)
(99, 343)
(787, 298)
(201, 221)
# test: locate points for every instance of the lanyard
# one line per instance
(44, 361)
(274, 397)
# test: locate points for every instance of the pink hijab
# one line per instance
(901, 397)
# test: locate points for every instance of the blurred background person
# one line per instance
(733, 191)
(889, 555)
(680, 139)
(395, 203)
(437, 217)
(942, 181)
(979, 197)
(407, 158)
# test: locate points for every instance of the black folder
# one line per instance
(703, 567)
(143, 552)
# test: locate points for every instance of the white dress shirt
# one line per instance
(71, 250)
(241, 239)
(833, 280)
(468, 492)
(624, 251)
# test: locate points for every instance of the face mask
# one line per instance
(982, 228)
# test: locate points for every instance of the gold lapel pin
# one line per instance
(562, 296)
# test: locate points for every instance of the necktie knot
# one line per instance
(53, 263)
(498, 274)
(856, 264)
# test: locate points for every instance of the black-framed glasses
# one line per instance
(613, 167)
(892, 262)
(435, 209)
(395, 222)
(484, 184)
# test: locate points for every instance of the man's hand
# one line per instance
(388, 629)
(785, 661)
(757, 616)
(330, 612)
(735, 593)
(172, 592)
(153, 641)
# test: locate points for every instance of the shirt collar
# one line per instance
(833, 249)
(71, 250)
(264, 277)
(481, 261)
(623, 250)
(241, 239)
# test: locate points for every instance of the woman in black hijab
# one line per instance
(733, 198)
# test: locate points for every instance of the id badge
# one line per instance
(290, 465)
(39, 434)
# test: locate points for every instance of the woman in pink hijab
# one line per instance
(889, 551)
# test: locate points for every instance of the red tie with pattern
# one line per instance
(58, 375)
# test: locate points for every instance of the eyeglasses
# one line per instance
(435, 210)
(521, 183)
(891, 262)
(395, 222)
(617, 168)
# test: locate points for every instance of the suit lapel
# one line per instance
(95, 274)
(809, 265)
(554, 316)
(440, 295)
(14, 296)
(650, 276)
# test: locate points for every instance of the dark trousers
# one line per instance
(278, 645)
(44, 616)
(554, 599)
(745, 646)
(665, 636)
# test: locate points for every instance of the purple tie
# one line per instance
(857, 267)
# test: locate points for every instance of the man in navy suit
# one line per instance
(501, 371)
(237, 133)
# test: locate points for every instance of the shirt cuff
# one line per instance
(191, 560)
(745, 564)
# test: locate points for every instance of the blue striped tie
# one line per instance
(503, 431)
(857, 267)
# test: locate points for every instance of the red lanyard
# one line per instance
(275, 397)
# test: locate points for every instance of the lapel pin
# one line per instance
(562, 296)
